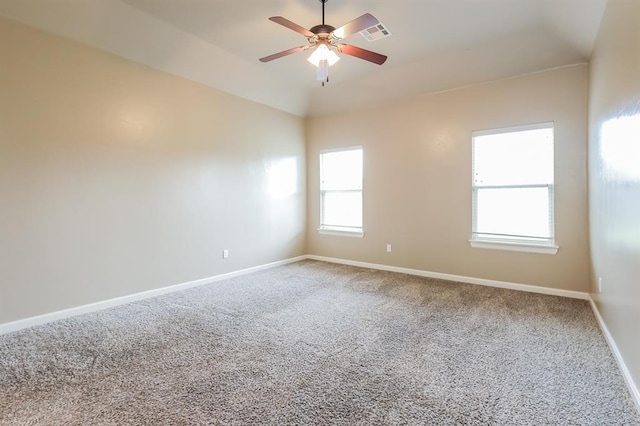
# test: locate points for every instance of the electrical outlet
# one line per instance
(599, 284)
(225, 254)
(388, 248)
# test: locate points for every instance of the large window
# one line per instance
(341, 191)
(513, 189)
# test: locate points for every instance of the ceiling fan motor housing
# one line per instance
(322, 29)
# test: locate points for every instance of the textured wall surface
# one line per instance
(417, 179)
(614, 177)
(116, 178)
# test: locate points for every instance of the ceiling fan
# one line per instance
(325, 39)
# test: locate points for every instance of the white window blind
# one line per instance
(513, 185)
(341, 190)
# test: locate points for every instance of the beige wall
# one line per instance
(116, 178)
(417, 179)
(614, 176)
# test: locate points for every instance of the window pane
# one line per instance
(514, 158)
(341, 170)
(513, 211)
(342, 209)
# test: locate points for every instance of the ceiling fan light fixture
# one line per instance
(323, 53)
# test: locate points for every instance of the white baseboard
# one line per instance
(459, 278)
(633, 388)
(92, 307)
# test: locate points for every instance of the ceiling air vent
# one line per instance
(376, 32)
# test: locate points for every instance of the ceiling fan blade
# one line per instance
(365, 21)
(358, 52)
(292, 26)
(284, 53)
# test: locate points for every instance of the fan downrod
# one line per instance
(323, 2)
(322, 28)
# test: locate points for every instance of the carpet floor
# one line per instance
(319, 343)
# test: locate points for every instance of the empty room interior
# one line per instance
(320, 212)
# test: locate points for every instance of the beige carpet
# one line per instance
(318, 343)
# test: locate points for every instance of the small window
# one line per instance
(341, 192)
(513, 189)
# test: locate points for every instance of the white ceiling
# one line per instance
(436, 44)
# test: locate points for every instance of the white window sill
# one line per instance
(341, 233)
(515, 246)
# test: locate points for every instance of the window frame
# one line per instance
(512, 242)
(333, 229)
